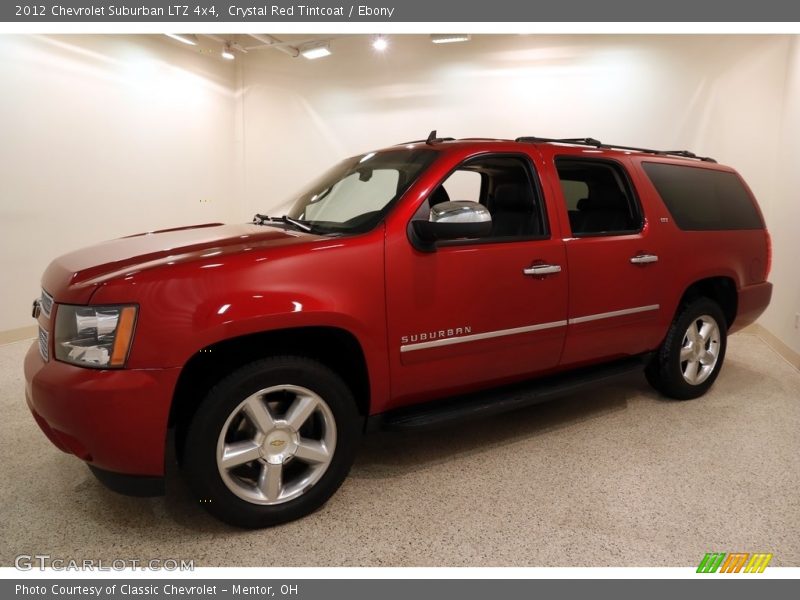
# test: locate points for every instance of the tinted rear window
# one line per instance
(704, 199)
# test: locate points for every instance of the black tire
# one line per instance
(666, 371)
(223, 405)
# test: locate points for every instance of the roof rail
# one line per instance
(587, 141)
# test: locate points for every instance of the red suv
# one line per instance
(426, 282)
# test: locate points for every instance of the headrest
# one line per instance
(604, 196)
(512, 197)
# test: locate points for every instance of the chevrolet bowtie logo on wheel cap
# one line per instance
(277, 443)
(735, 562)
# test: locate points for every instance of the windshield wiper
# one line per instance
(263, 219)
(298, 224)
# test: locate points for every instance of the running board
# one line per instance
(504, 399)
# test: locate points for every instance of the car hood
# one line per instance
(74, 276)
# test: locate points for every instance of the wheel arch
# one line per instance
(334, 347)
(721, 289)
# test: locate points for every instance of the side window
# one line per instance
(574, 192)
(704, 199)
(598, 197)
(505, 185)
(464, 185)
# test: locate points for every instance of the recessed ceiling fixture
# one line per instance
(380, 43)
(183, 38)
(449, 38)
(313, 51)
(227, 52)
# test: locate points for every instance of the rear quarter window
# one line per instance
(704, 199)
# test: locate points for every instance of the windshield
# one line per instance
(355, 194)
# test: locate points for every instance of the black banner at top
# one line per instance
(441, 11)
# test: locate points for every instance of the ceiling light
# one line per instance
(227, 52)
(380, 43)
(183, 38)
(449, 38)
(316, 51)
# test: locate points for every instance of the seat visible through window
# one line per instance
(511, 208)
(607, 206)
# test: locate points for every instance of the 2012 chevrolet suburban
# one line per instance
(410, 286)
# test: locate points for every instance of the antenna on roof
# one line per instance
(432, 139)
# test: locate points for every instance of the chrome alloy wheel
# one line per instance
(700, 350)
(276, 444)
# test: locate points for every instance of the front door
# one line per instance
(474, 313)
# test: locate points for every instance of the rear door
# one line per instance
(613, 257)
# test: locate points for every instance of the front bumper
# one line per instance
(115, 420)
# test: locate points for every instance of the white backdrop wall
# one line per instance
(723, 96)
(718, 95)
(110, 135)
(783, 215)
(104, 136)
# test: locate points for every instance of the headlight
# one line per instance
(94, 336)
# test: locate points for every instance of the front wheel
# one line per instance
(271, 442)
(689, 360)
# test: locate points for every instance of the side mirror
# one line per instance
(454, 220)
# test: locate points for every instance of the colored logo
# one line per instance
(735, 562)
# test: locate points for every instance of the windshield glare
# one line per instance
(355, 194)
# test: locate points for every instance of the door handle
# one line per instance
(542, 270)
(643, 259)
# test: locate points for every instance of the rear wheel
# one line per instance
(689, 360)
(272, 442)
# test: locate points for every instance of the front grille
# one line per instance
(46, 302)
(44, 344)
